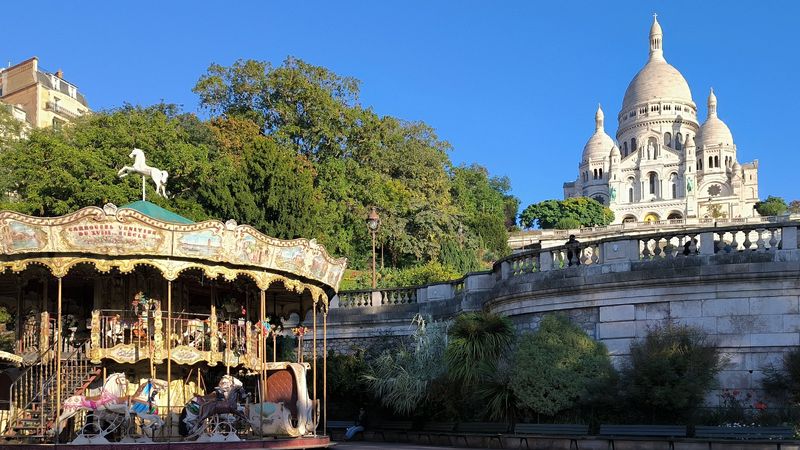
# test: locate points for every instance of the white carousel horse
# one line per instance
(275, 419)
(113, 389)
(158, 176)
(114, 406)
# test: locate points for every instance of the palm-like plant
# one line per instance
(402, 379)
(477, 339)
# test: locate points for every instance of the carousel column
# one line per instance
(325, 371)
(58, 353)
(169, 358)
(262, 345)
(314, 354)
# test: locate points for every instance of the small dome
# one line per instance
(615, 152)
(714, 131)
(600, 144)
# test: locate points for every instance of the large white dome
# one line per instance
(657, 79)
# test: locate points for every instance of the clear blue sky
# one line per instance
(512, 86)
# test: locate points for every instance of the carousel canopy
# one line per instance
(144, 234)
(156, 212)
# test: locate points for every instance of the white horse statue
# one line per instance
(140, 166)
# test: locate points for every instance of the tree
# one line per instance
(669, 372)
(555, 366)
(794, 207)
(772, 206)
(476, 339)
(546, 214)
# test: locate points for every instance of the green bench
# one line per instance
(437, 429)
(398, 427)
(573, 432)
(490, 430)
(339, 426)
(641, 432)
(757, 435)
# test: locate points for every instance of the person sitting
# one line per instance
(358, 427)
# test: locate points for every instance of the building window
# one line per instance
(57, 124)
(678, 141)
(630, 195)
(714, 190)
(668, 139)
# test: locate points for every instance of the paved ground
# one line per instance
(362, 445)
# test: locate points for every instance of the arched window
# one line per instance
(716, 161)
(624, 149)
(600, 199)
(633, 144)
(668, 139)
(653, 181)
(710, 162)
(674, 190)
(600, 173)
(630, 195)
(678, 141)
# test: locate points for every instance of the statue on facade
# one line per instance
(140, 166)
(613, 193)
(650, 150)
(689, 186)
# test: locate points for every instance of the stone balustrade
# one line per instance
(736, 236)
(552, 237)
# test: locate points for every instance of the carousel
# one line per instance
(137, 325)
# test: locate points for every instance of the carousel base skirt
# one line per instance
(293, 443)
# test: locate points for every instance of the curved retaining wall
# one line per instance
(741, 284)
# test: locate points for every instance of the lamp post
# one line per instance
(373, 222)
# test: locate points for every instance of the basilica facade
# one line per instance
(664, 164)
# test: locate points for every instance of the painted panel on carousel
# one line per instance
(120, 232)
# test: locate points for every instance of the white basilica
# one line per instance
(664, 164)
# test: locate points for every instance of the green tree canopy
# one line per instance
(772, 206)
(546, 214)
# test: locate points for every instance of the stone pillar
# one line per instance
(377, 298)
(545, 261)
(789, 238)
(505, 270)
(707, 243)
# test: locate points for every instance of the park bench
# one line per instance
(641, 432)
(339, 426)
(437, 429)
(756, 435)
(490, 430)
(573, 432)
(398, 427)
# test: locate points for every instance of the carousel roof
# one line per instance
(157, 212)
(145, 234)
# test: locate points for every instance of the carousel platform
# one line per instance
(293, 443)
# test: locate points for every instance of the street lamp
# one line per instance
(373, 222)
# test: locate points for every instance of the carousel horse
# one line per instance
(113, 403)
(224, 400)
(140, 166)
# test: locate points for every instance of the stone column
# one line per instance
(707, 243)
(545, 261)
(789, 238)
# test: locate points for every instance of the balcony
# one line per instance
(61, 111)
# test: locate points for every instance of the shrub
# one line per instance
(669, 372)
(784, 382)
(5, 316)
(568, 223)
(555, 365)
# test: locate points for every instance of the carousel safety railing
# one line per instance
(755, 238)
(669, 245)
(190, 329)
(232, 334)
(125, 327)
